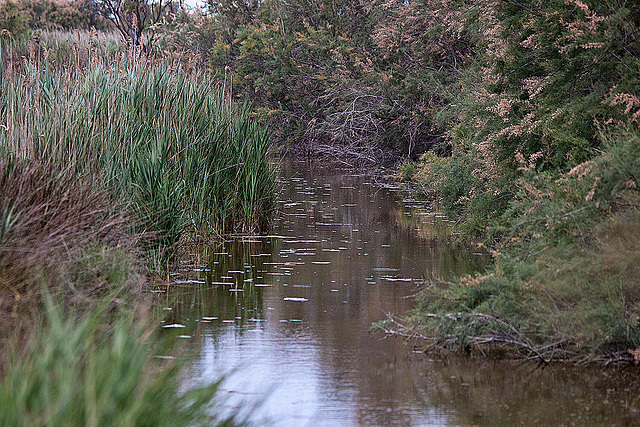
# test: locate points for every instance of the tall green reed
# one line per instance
(168, 142)
(80, 370)
(100, 151)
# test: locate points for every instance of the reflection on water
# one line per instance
(288, 317)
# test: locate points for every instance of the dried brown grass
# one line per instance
(59, 233)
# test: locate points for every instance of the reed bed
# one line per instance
(107, 159)
(105, 154)
(72, 50)
(105, 151)
(168, 142)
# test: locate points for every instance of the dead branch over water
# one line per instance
(498, 336)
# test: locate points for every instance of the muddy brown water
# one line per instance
(287, 319)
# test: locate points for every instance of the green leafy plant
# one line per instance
(78, 369)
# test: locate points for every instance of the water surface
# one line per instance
(288, 318)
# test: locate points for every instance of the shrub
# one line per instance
(12, 19)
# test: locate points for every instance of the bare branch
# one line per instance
(134, 18)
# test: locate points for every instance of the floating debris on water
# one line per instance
(174, 325)
(297, 299)
(189, 282)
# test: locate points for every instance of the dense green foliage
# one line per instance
(553, 82)
(107, 159)
(79, 370)
(166, 142)
(350, 78)
(529, 110)
(545, 154)
(17, 16)
(12, 19)
(525, 116)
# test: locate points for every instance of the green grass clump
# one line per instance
(166, 142)
(81, 370)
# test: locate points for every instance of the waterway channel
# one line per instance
(287, 317)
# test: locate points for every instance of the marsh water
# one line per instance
(287, 316)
